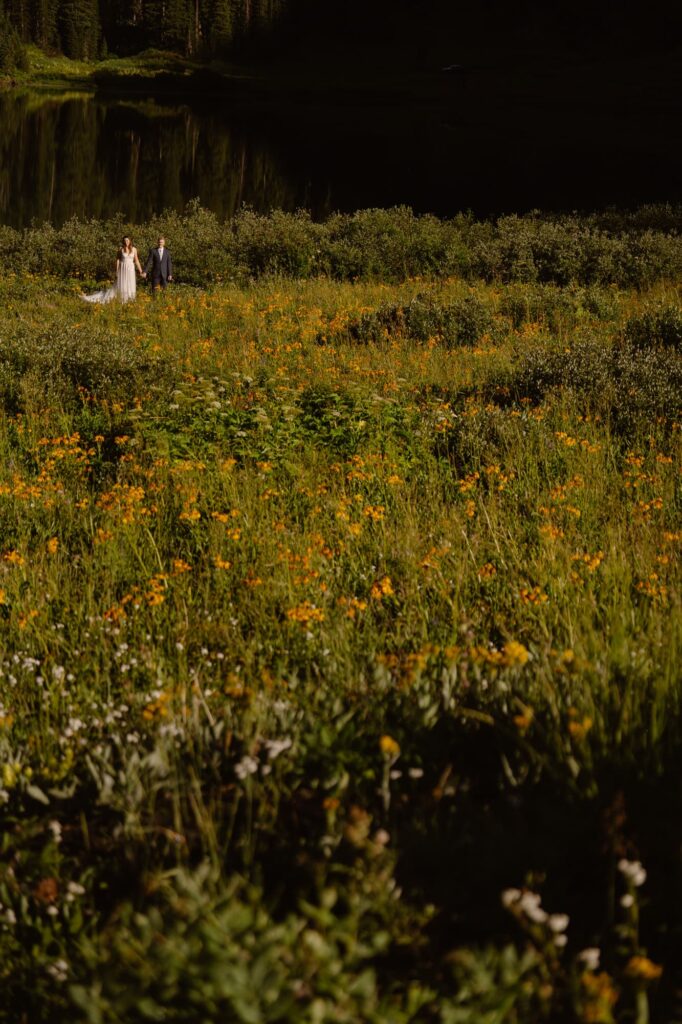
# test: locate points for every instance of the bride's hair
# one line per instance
(123, 242)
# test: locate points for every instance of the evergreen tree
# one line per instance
(12, 52)
(44, 24)
(78, 23)
(19, 14)
(176, 25)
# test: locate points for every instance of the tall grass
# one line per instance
(321, 629)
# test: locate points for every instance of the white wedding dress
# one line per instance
(125, 288)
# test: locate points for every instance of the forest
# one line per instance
(422, 31)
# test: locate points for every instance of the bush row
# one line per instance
(469, 320)
(392, 245)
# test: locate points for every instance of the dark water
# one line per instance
(465, 146)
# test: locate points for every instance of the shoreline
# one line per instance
(489, 76)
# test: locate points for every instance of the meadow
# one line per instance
(339, 624)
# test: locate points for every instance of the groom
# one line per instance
(160, 264)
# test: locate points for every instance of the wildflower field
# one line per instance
(340, 646)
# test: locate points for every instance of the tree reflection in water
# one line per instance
(75, 156)
(497, 149)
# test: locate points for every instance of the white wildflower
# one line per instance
(633, 871)
(510, 896)
(58, 970)
(276, 747)
(247, 766)
(56, 830)
(590, 957)
(530, 906)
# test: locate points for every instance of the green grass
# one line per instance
(151, 69)
(328, 612)
(55, 71)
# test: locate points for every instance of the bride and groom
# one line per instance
(159, 269)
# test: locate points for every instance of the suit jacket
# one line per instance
(161, 267)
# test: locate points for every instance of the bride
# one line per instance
(126, 287)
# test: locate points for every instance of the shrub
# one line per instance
(390, 245)
(463, 322)
(555, 307)
(623, 383)
(66, 360)
(467, 321)
(658, 326)
(279, 243)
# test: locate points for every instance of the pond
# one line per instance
(86, 155)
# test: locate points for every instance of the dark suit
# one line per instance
(159, 268)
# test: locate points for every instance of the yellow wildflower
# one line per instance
(306, 613)
(515, 653)
(191, 515)
(14, 558)
(579, 729)
(383, 588)
(644, 968)
(389, 747)
(374, 512)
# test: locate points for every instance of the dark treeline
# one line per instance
(420, 31)
(91, 29)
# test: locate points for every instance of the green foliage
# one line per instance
(659, 326)
(63, 363)
(223, 957)
(625, 383)
(389, 245)
(464, 322)
(78, 22)
(552, 306)
(279, 243)
(12, 52)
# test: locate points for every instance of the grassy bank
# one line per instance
(335, 615)
(151, 71)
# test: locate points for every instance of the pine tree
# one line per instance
(218, 25)
(12, 54)
(176, 25)
(44, 24)
(78, 22)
